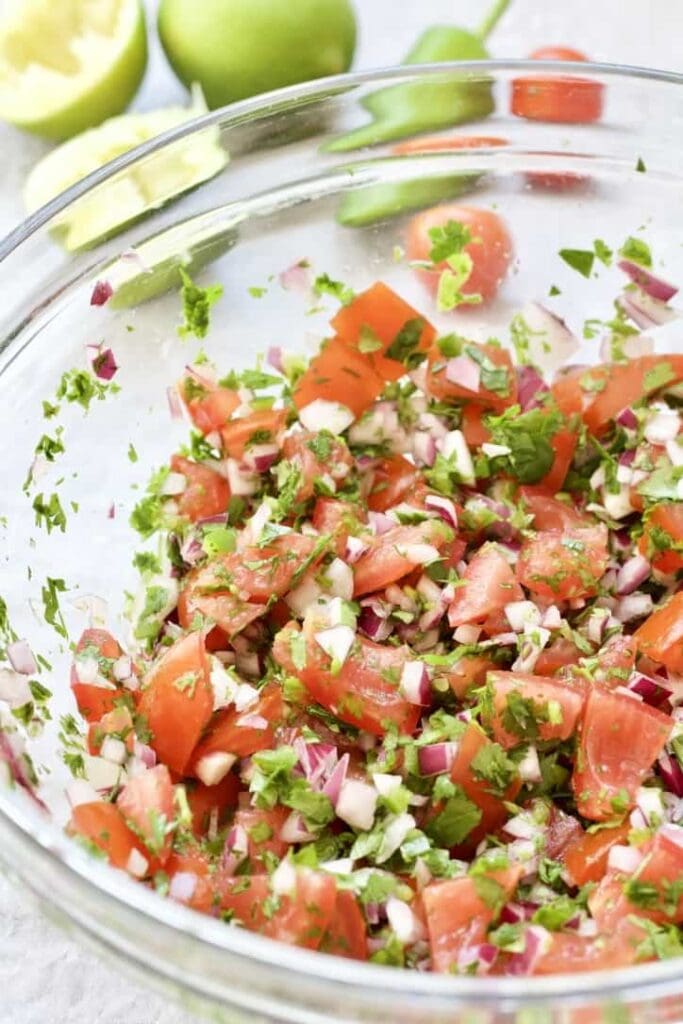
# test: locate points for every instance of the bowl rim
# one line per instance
(43, 841)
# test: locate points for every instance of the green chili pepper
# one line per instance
(400, 111)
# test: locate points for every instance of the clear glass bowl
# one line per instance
(275, 203)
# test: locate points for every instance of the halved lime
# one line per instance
(131, 193)
(67, 65)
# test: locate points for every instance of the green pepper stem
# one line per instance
(492, 18)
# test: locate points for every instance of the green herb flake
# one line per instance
(637, 251)
(197, 303)
(581, 260)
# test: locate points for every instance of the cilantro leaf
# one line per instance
(324, 285)
(49, 513)
(602, 251)
(662, 483)
(448, 240)
(491, 764)
(455, 822)
(636, 250)
(52, 612)
(528, 436)
(404, 346)
(197, 303)
(581, 260)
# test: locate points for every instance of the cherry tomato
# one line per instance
(570, 100)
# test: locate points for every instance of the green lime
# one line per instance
(131, 193)
(238, 48)
(67, 65)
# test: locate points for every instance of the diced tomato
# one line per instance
(300, 918)
(569, 100)
(479, 790)
(468, 671)
(339, 373)
(395, 553)
(96, 701)
(626, 383)
(209, 405)
(661, 636)
(491, 248)
(207, 493)
(444, 144)
(550, 699)
(564, 566)
(445, 390)
(146, 803)
(225, 610)
(489, 584)
(567, 393)
(211, 803)
(337, 519)
(346, 934)
(102, 824)
(620, 739)
(662, 539)
(585, 859)
(196, 864)
(243, 733)
(263, 828)
(256, 428)
(570, 953)
(393, 480)
(457, 916)
(563, 444)
(316, 455)
(560, 654)
(662, 867)
(615, 661)
(385, 314)
(472, 426)
(549, 513)
(118, 723)
(177, 701)
(364, 692)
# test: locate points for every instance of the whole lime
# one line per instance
(238, 48)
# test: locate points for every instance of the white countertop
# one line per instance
(44, 975)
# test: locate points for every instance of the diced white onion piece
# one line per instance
(81, 792)
(294, 830)
(324, 415)
(122, 668)
(662, 425)
(342, 866)
(529, 767)
(259, 519)
(552, 618)
(303, 597)
(385, 784)
(246, 696)
(405, 925)
(618, 506)
(336, 642)
(522, 827)
(395, 831)
(241, 484)
(14, 688)
(174, 484)
(102, 774)
(137, 865)
(522, 613)
(675, 452)
(340, 578)
(454, 447)
(182, 886)
(87, 670)
(551, 343)
(624, 858)
(212, 768)
(633, 606)
(651, 805)
(357, 803)
(113, 750)
(467, 634)
(495, 450)
(223, 683)
(355, 548)
(283, 879)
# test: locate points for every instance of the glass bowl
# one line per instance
(275, 202)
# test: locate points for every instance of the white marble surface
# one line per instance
(45, 976)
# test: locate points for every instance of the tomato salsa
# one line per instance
(407, 669)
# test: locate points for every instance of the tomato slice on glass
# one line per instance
(177, 701)
(626, 383)
(338, 520)
(446, 144)
(620, 739)
(472, 743)
(555, 708)
(364, 692)
(209, 405)
(572, 954)
(397, 552)
(206, 494)
(489, 585)
(549, 514)
(560, 654)
(241, 733)
(263, 827)
(211, 804)
(564, 566)
(341, 374)
(661, 636)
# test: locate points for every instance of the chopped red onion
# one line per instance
(260, 457)
(424, 448)
(415, 684)
(274, 358)
(21, 657)
(645, 279)
(191, 550)
(102, 361)
(483, 956)
(631, 574)
(633, 606)
(645, 311)
(537, 940)
(175, 406)
(380, 523)
(14, 688)
(182, 886)
(336, 780)
(374, 627)
(444, 507)
(294, 830)
(252, 721)
(464, 372)
(673, 832)
(530, 385)
(101, 293)
(296, 278)
(356, 804)
(514, 913)
(551, 343)
(355, 549)
(672, 773)
(627, 418)
(12, 754)
(522, 613)
(522, 827)
(144, 753)
(436, 758)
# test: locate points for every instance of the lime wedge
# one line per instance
(131, 193)
(67, 65)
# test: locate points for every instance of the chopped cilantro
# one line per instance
(132, 454)
(197, 303)
(404, 346)
(368, 340)
(49, 513)
(491, 764)
(640, 165)
(637, 251)
(602, 252)
(580, 260)
(448, 240)
(528, 436)
(324, 285)
(455, 822)
(52, 612)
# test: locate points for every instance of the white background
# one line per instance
(44, 976)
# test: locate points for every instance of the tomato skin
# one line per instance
(472, 426)
(624, 384)
(102, 823)
(338, 519)
(570, 953)
(346, 934)
(457, 917)
(478, 790)
(394, 478)
(562, 567)
(238, 433)
(339, 373)
(585, 859)
(660, 637)
(489, 585)
(301, 919)
(385, 313)
(620, 739)
(94, 702)
(551, 515)
(359, 694)
(616, 661)
(444, 390)
(563, 444)
(389, 558)
(667, 518)
(227, 735)
(560, 654)
(468, 672)
(491, 256)
(207, 801)
(177, 715)
(563, 830)
(230, 614)
(258, 823)
(146, 803)
(212, 409)
(299, 450)
(541, 691)
(207, 493)
(569, 100)
(663, 863)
